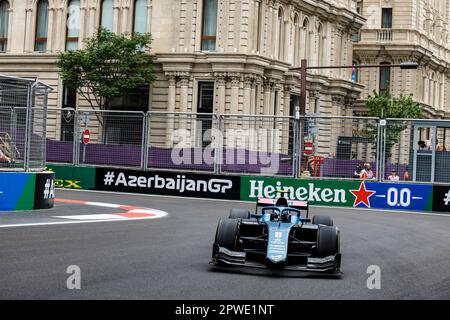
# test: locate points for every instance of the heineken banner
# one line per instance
(357, 194)
(398, 196)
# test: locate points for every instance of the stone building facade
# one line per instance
(226, 56)
(407, 30)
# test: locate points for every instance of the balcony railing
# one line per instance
(384, 35)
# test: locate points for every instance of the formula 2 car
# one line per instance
(278, 235)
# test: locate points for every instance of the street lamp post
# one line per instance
(303, 73)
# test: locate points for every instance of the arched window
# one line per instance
(140, 16)
(305, 39)
(319, 44)
(107, 14)
(209, 25)
(40, 41)
(73, 25)
(385, 78)
(4, 22)
(296, 38)
(280, 27)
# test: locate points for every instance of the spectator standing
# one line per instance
(394, 176)
(406, 175)
(367, 172)
(357, 172)
(423, 146)
(440, 146)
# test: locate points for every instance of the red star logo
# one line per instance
(362, 195)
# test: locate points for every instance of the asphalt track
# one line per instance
(167, 258)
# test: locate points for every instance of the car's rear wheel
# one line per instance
(325, 220)
(328, 243)
(239, 214)
(227, 233)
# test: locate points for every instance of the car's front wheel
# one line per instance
(227, 234)
(328, 243)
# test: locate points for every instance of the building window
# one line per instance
(73, 25)
(355, 72)
(40, 43)
(359, 7)
(305, 39)
(259, 27)
(294, 107)
(140, 16)
(296, 37)
(319, 45)
(67, 114)
(107, 14)
(4, 22)
(209, 25)
(205, 106)
(386, 18)
(280, 53)
(118, 131)
(385, 78)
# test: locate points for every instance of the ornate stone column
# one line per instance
(116, 10)
(184, 91)
(10, 20)
(248, 83)
(267, 96)
(235, 82)
(83, 23)
(29, 35)
(221, 83)
(92, 24)
(171, 98)
(125, 11)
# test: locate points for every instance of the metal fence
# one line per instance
(23, 122)
(333, 147)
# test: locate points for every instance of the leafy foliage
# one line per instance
(386, 106)
(109, 66)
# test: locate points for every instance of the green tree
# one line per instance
(109, 66)
(387, 106)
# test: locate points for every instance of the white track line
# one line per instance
(384, 211)
(69, 222)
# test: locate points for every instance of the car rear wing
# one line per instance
(296, 204)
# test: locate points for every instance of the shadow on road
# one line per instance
(274, 273)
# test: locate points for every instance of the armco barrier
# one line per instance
(26, 190)
(168, 183)
(357, 194)
(68, 176)
(441, 198)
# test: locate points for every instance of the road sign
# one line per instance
(309, 147)
(86, 136)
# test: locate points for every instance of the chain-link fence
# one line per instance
(416, 150)
(23, 122)
(332, 147)
(182, 141)
(340, 147)
(257, 145)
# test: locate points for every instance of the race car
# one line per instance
(280, 235)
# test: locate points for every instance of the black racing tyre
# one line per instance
(328, 241)
(239, 214)
(227, 233)
(325, 220)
